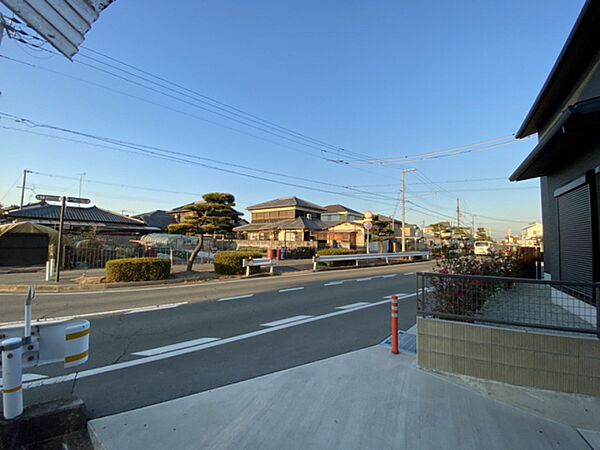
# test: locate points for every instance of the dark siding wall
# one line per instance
(572, 169)
(20, 249)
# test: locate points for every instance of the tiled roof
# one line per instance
(74, 214)
(299, 223)
(286, 201)
(341, 208)
(157, 218)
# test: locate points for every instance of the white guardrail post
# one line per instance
(66, 342)
(250, 262)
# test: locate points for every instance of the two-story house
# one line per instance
(283, 221)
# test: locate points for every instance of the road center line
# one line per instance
(334, 283)
(283, 321)
(364, 279)
(292, 289)
(224, 299)
(184, 351)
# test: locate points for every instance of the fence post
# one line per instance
(12, 374)
(315, 263)
(395, 324)
(597, 291)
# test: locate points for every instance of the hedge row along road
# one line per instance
(156, 344)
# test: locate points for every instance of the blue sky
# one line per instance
(383, 79)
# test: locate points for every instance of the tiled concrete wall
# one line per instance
(546, 361)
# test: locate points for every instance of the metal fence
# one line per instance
(553, 305)
(96, 257)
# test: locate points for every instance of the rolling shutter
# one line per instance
(575, 235)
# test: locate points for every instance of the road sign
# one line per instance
(368, 215)
(51, 198)
(368, 225)
(78, 200)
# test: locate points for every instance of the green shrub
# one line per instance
(336, 251)
(230, 262)
(262, 251)
(138, 269)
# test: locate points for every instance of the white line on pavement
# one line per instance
(364, 279)
(168, 348)
(399, 294)
(184, 351)
(292, 289)
(283, 321)
(352, 305)
(409, 273)
(101, 313)
(29, 377)
(334, 283)
(224, 299)
(389, 276)
(155, 308)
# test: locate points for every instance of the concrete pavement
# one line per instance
(364, 399)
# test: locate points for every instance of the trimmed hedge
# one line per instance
(230, 262)
(138, 269)
(336, 251)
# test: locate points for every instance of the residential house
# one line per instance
(157, 218)
(532, 235)
(287, 221)
(565, 117)
(339, 213)
(78, 219)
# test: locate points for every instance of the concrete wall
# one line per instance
(546, 361)
(274, 244)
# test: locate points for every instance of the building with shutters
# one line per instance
(565, 116)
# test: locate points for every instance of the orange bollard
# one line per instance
(395, 324)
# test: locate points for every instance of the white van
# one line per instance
(482, 247)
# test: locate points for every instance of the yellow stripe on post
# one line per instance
(72, 336)
(9, 391)
(69, 359)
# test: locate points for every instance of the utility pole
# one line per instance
(60, 233)
(403, 209)
(81, 175)
(457, 213)
(25, 172)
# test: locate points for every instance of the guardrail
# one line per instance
(253, 262)
(523, 302)
(359, 257)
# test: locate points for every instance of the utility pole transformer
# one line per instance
(403, 208)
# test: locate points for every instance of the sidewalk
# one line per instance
(365, 399)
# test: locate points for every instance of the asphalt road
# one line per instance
(207, 335)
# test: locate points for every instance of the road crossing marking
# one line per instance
(399, 294)
(292, 289)
(169, 348)
(184, 351)
(237, 297)
(284, 321)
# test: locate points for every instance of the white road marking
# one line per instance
(352, 305)
(364, 279)
(101, 313)
(29, 377)
(409, 273)
(224, 299)
(169, 348)
(400, 295)
(155, 308)
(292, 289)
(184, 351)
(334, 283)
(389, 276)
(283, 321)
